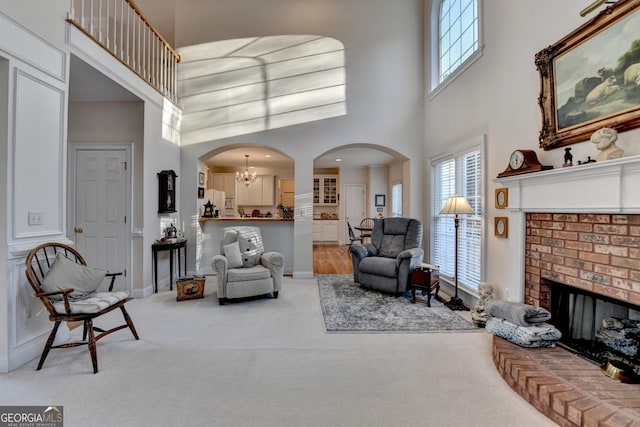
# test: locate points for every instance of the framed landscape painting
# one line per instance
(591, 78)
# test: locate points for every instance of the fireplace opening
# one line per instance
(596, 327)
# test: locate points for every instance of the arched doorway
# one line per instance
(256, 201)
(360, 172)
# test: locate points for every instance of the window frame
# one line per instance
(476, 144)
(435, 85)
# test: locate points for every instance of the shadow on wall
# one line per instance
(235, 87)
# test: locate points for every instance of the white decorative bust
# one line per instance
(605, 140)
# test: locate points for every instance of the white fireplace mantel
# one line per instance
(612, 186)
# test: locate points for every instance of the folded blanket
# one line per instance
(540, 335)
(520, 314)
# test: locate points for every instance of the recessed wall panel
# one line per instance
(37, 142)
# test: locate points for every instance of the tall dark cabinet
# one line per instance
(167, 191)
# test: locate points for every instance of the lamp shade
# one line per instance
(456, 205)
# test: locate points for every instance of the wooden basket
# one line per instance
(189, 288)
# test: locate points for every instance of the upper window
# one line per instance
(458, 173)
(457, 37)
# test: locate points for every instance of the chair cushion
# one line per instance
(379, 266)
(66, 273)
(251, 246)
(392, 245)
(256, 272)
(232, 253)
(93, 304)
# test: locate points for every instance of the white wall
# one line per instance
(115, 122)
(383, 55)
(43, 17)
(34, 89)
(498, 96)
(378, 184)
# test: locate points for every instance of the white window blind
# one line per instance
(460, 174)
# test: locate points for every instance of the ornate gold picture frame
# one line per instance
(588, 79)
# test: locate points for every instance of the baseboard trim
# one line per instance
(303, 275)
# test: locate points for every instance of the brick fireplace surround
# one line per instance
(599, 253)
(579, 226)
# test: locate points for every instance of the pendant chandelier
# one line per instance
(245, 177)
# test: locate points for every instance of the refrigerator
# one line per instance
(218, 199)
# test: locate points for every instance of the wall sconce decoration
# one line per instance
(502, 198)
(501, 227)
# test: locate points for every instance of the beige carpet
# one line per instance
(269, 362)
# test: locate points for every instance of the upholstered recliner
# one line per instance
(243, 268)
(395, 250)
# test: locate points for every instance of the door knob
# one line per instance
(78, 229)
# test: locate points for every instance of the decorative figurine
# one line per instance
(589, 160)
(605, 140)
(171, 232)
(478, 314)
(208, 210)
(568, 157)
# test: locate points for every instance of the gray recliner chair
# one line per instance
(243, 268)
(395, 250)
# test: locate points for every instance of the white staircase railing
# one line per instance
(121, 28)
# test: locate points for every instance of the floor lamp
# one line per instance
(456, 205)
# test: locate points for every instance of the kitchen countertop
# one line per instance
(237, 218)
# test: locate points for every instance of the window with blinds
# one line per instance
(458, 174)
(396, 200)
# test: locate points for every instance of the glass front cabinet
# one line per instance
(167, 191)
(325, 189)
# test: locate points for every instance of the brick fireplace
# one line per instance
(577, 226)
(599, 253)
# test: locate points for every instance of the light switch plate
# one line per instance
(36, 217)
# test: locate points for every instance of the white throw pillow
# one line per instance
(251, 248)
(232, 252)
(66, 273)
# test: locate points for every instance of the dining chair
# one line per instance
(68, 289)
(352, 235)
(366, 226)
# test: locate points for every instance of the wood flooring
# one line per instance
(331, 259)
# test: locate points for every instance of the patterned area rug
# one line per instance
(346, 307)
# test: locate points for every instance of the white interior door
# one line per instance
(101, 208)
(354, 206)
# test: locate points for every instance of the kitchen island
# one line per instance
(277, 235)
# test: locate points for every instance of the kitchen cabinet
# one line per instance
(325, 190)
(225, 182)
(325, 231)
(260, 193)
